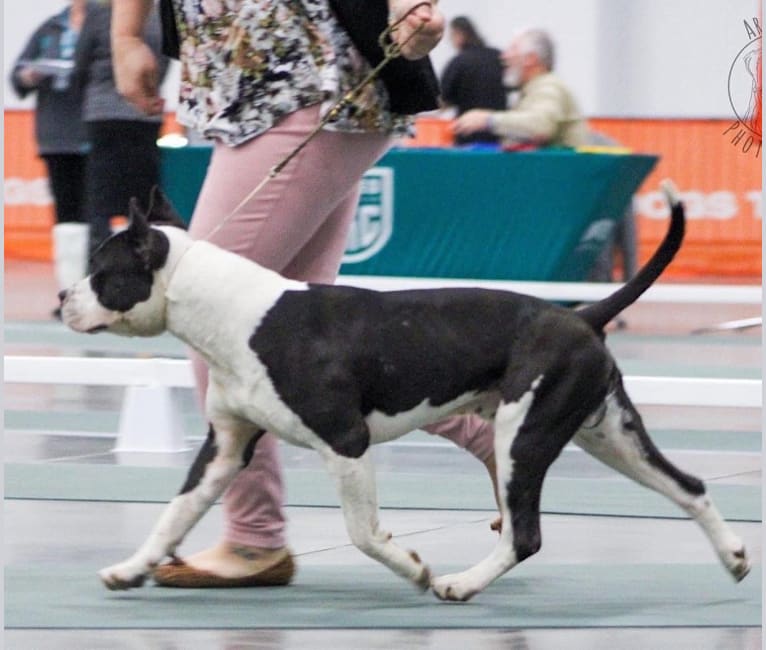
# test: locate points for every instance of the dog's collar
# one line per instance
(167, 277)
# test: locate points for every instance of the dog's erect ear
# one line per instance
(149, 245)
(161, 210)
(154, 251)
(138, 227)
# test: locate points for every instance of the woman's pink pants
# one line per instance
(296, 225)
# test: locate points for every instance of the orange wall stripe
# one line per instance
(715, 163)
(28, 207)
(717, 166)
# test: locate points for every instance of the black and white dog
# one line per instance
(339, 369)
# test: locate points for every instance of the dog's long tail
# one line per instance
(600, 313)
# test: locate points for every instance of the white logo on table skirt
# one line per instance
(598, 231)
(596, 236)
(374, 219)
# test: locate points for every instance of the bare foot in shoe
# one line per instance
(228, 565)
(228, 560)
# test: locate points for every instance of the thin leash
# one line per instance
(391, 50)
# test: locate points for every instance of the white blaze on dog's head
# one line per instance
(124, 293)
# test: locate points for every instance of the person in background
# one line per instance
(298, 224)
(44, 67)
(623, 238)
(124, 160)
(473, 78)
(546, 114)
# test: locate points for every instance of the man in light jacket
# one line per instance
(546, 114)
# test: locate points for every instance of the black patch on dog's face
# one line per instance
(122, 268)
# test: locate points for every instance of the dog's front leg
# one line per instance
(226, 450)
(355, 480)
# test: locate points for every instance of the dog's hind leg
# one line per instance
(227, 449)
(530, 432)
(462, 586)
(355, 481)
(621, 441)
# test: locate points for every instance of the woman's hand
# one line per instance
(420, 31)
(136, 74)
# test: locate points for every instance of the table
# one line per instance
(452, 213)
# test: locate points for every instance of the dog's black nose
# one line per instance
(62, 295)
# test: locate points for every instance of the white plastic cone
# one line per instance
(150, 421)
(70, 253)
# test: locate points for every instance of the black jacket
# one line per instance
(412, 85)
(474, 79)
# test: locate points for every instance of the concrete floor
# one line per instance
(46, 531)
(614, 639)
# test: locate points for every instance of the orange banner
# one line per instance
(716, 164)
(29, 211)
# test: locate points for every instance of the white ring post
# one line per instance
(150, 421)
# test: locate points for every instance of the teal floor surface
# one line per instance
(348, 597)
(305, 487)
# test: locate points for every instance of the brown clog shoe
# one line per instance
(278, 570)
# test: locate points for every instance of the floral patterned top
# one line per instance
(248, 63)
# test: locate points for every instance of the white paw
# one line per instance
(124, 575)
(737, 562)
(453, 587)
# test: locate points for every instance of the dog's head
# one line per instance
(125, 290)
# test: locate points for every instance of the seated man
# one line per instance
(546, 113)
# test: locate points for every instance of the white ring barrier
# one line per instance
(150, 419)
(99, 371)
(574, 291)
(695, 391)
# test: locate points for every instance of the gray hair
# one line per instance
(538, 41)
